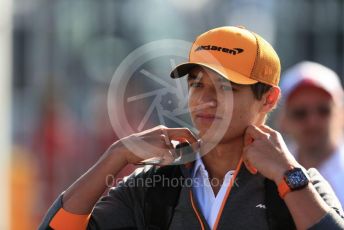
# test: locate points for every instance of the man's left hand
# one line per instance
(266, 152)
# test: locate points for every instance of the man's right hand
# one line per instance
(82, 195)
(154, 142)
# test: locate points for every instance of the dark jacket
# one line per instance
(246, 207)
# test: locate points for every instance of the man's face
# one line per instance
(310, 117)
(210, 95)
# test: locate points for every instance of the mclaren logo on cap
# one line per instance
(233, 51)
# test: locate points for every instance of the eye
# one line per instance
(195, 84)
(227, 88)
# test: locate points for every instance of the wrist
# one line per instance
(279, 175)
(283, 168)
(295, 178)
(117, 153)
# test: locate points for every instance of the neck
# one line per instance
(223, 158)
(315, 156)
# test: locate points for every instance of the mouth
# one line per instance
(207, 117)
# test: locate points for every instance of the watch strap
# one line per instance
(283, 188)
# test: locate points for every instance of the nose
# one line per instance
(314, 120)
(208, 97)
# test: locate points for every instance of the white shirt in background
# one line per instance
(333, 171)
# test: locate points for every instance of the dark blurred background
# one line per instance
(61, 56)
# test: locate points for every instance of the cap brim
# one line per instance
(185, 68)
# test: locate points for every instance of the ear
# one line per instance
(270, 99)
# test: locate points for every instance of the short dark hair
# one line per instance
(259, 89)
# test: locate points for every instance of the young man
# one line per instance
(229, 67)
(312, 115)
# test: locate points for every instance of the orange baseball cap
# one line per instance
(235, 53)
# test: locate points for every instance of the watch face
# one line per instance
(296, 179)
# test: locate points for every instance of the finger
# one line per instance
(251, 133)
(150, 161)
(247, 139)
(255, 133)
(171, 133)
(249, 166)
(166, 140)
(158, 158)
(181, 139)
(156, 143)
(272, 133)
(167, 159)
(157, 130)
(267, 129)
(178, 133)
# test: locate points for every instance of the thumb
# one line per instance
(248, 164)
(248, 139)
(252, 133)
(250, 168)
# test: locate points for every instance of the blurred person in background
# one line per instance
(312, 115)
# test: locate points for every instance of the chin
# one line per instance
(207, 135)
(315, 143)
